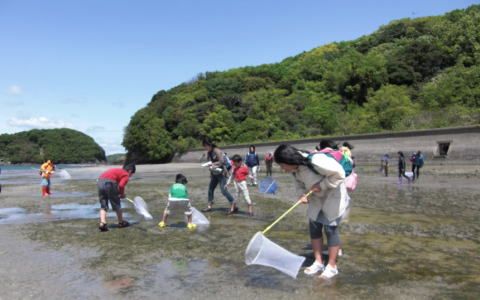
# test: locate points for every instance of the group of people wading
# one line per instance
(318, 172)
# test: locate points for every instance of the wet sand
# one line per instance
(404, 241)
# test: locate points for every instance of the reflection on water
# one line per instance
(55, 212)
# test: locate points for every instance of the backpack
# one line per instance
(342, 159)
(351, 178)
(227, 161)
(419, 161)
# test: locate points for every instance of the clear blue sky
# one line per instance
(91, 64)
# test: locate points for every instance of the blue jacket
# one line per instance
(251, 159)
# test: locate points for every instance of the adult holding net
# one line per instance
(218, 175)
(324, 177)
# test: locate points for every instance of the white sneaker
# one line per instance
(314, 268)
(329, 272)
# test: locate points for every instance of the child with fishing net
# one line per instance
(111, 187)
(178, 199)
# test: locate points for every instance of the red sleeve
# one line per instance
(122, 183)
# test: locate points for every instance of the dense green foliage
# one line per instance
(116, 159)
(410, 74)
(59, 145)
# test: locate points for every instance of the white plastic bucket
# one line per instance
(262, 251)
(198, 218)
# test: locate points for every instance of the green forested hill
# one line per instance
(409, 74)
(59, 145)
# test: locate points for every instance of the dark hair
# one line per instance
(180, 178)
(208, 142)
(348, 145)
(130, 167)
(328, 144)
(237, 158)
(250, 147)
(400, 153)
(287, 154)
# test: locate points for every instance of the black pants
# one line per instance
(401, 172)
(416, 171)
(269, 164)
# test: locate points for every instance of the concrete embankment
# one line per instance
(451, 150)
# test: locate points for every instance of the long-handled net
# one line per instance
(64, 174)
(141, 207)
(268, 185)
(262, 251)
(198, 218)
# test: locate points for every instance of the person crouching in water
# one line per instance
(239, 174)
(111, 188)
(327, 205)
(178, 197)
(46, 171)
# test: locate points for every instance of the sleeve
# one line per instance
(122, 183)
(331, 169)
(258, 159)
(300, 188)
(230, 177)
(221, 159)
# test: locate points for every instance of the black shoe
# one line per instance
(103, 227)
(123, 224)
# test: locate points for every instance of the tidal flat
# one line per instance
(401, 241)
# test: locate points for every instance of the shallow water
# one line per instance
(401, 241)
(50, 213)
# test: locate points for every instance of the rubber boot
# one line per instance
(44, 191)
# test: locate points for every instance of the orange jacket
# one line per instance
(47, 169)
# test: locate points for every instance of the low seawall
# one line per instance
(447, 145)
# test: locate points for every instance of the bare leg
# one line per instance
(165, 218)
(317, 250)
(233, 206)
(119, 215)
(332, 256)
(103, 216)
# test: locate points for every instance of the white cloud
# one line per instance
(38, 122)
(15, 90)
